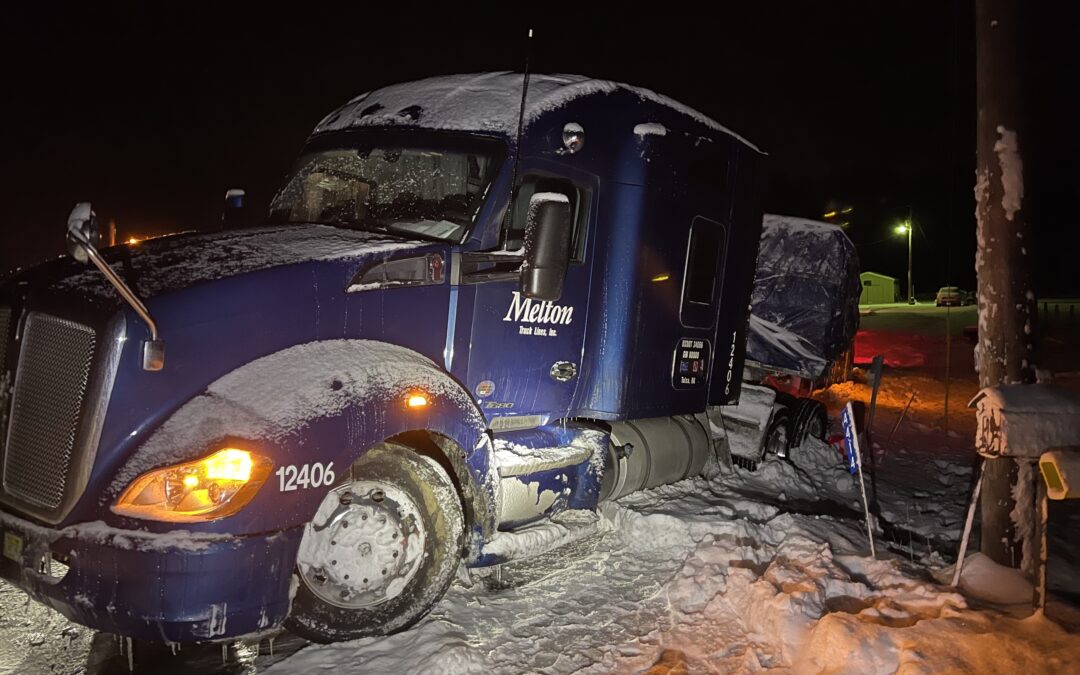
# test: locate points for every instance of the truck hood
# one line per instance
(157, 266)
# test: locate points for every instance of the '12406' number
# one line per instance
(307, 476)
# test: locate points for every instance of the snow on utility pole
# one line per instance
(1006, 300)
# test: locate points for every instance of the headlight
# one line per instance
(213, 487)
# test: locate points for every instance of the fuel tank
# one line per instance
(656, 451)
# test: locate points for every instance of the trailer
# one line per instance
(804, 317)
(471, 317)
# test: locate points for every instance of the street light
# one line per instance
(906, 228)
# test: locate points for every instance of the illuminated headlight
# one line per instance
(209, 488)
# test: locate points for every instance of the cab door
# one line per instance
(525, 355)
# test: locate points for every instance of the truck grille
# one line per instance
(50, 386)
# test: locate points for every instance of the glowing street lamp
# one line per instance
(901, 229)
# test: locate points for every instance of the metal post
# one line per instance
(967, 525)
(910, 286)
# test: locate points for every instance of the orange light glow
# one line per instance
(132, 240)
(416, 400)
(203, 489)
(228, 464)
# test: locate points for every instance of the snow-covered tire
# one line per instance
(395, 562)
(777, 437)
(809, 419)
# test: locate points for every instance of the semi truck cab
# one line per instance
(453, 329)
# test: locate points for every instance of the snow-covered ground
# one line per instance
(742, 572)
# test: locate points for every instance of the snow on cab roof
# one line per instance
(485, 102)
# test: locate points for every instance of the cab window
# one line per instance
(704, 273)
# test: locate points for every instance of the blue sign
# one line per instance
(851, 443)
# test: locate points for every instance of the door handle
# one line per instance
(563, 371)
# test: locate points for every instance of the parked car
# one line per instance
(953, 296)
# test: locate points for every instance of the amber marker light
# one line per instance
(660, 277)
(416, 400)
(212, 487)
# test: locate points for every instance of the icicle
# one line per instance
(271, 641)
(224, 652)
(172, 648)
(130, 655)
(120, 642)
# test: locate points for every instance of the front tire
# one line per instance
(382, 548)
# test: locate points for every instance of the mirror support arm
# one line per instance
(153, 353)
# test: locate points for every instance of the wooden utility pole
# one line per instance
(1006, 298)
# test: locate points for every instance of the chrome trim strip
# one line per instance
(111, 344)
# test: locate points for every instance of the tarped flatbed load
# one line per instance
(805, 302)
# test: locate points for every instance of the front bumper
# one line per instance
(174, 587)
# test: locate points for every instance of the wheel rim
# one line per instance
(364, 545)
(816, 429)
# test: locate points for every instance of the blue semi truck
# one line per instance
(470, 314)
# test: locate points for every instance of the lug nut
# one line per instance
(378, 496)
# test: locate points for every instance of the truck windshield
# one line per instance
(430, 190)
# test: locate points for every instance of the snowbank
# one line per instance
(984, 579)
(721, 575)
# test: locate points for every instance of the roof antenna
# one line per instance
(517, 139)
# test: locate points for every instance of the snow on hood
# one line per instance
(485, 102)
(156, 266)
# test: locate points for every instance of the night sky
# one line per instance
(153, 112)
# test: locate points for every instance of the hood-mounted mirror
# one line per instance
(82, 221)
(82, 240)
